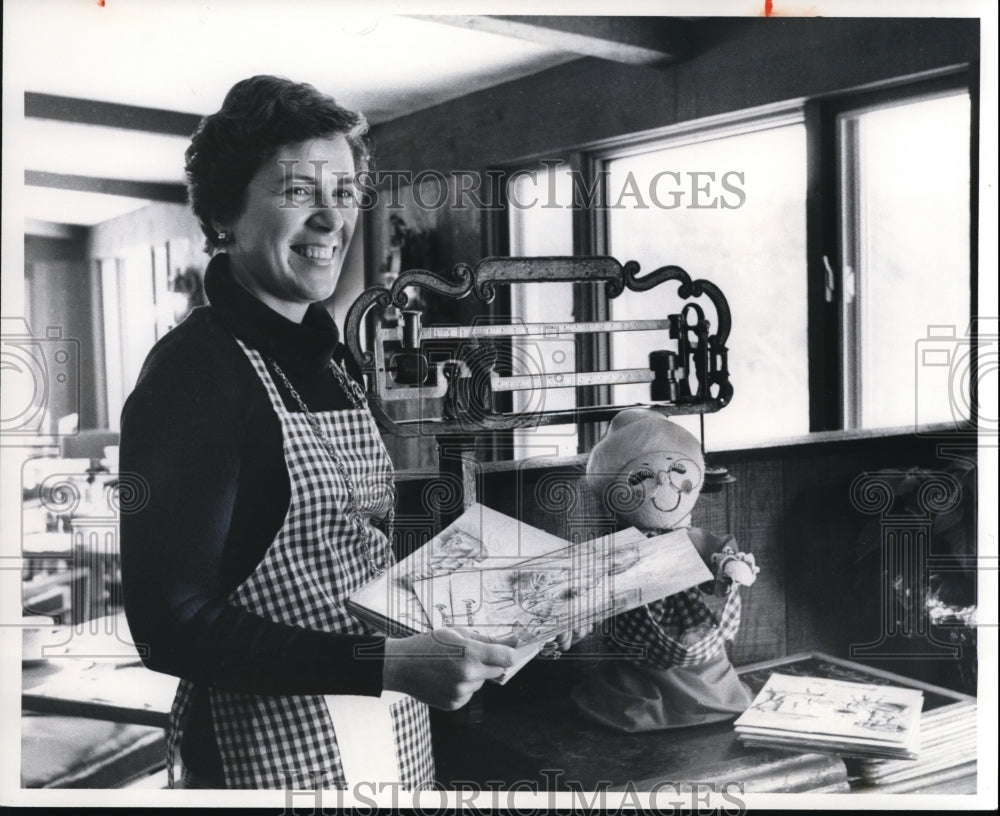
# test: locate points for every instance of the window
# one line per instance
(904, 253)
(731, 208)
(839, 231)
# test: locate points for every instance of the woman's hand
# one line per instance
(443, 668)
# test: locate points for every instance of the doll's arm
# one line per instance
(735, 567)
(720, 554)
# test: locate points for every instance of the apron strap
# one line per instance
(175, 729)
(257, 361)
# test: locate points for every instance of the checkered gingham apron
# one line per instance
(318, 559)
(649, 626)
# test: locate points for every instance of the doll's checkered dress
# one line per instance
(656, 628)
(318, 559)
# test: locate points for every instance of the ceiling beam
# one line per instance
(647, 41)
(149, 190)
(109, 114)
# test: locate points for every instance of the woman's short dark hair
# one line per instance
(259, 116)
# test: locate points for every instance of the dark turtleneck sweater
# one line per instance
(200, 430)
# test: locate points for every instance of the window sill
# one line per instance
(952, 432)
(792, 446)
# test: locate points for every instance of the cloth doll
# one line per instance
(668, 665)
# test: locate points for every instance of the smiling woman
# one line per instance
(288, 245)
(270, 492)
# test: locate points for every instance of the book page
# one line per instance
(479, 538)
(537, 599)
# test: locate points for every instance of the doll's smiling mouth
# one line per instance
(667, 509)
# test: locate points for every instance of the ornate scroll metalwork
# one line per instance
(691, 378)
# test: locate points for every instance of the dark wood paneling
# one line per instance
(739, 64)
(761, 61)
(712, 512)
(555, 499)
(819, 531)
(756, 512)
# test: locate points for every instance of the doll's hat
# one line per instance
(633, 432)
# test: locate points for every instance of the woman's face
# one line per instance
(288, 245)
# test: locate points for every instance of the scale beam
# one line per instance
(462, 375)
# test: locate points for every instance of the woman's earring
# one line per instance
(223, 237)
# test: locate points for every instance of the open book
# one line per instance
(521, 586)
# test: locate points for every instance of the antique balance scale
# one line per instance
(460, 376)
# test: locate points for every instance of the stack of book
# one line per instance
(947, 751)
(945, 754)
(834, 716)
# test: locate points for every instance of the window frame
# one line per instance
(825, 330)
(831, 407)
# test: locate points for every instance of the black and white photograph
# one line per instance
(488, 406)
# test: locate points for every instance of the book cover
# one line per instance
(834, 712)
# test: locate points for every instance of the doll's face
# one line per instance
(662, 489)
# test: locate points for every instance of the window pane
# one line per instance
(732, 211)
(911, 253)
(541, 223)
